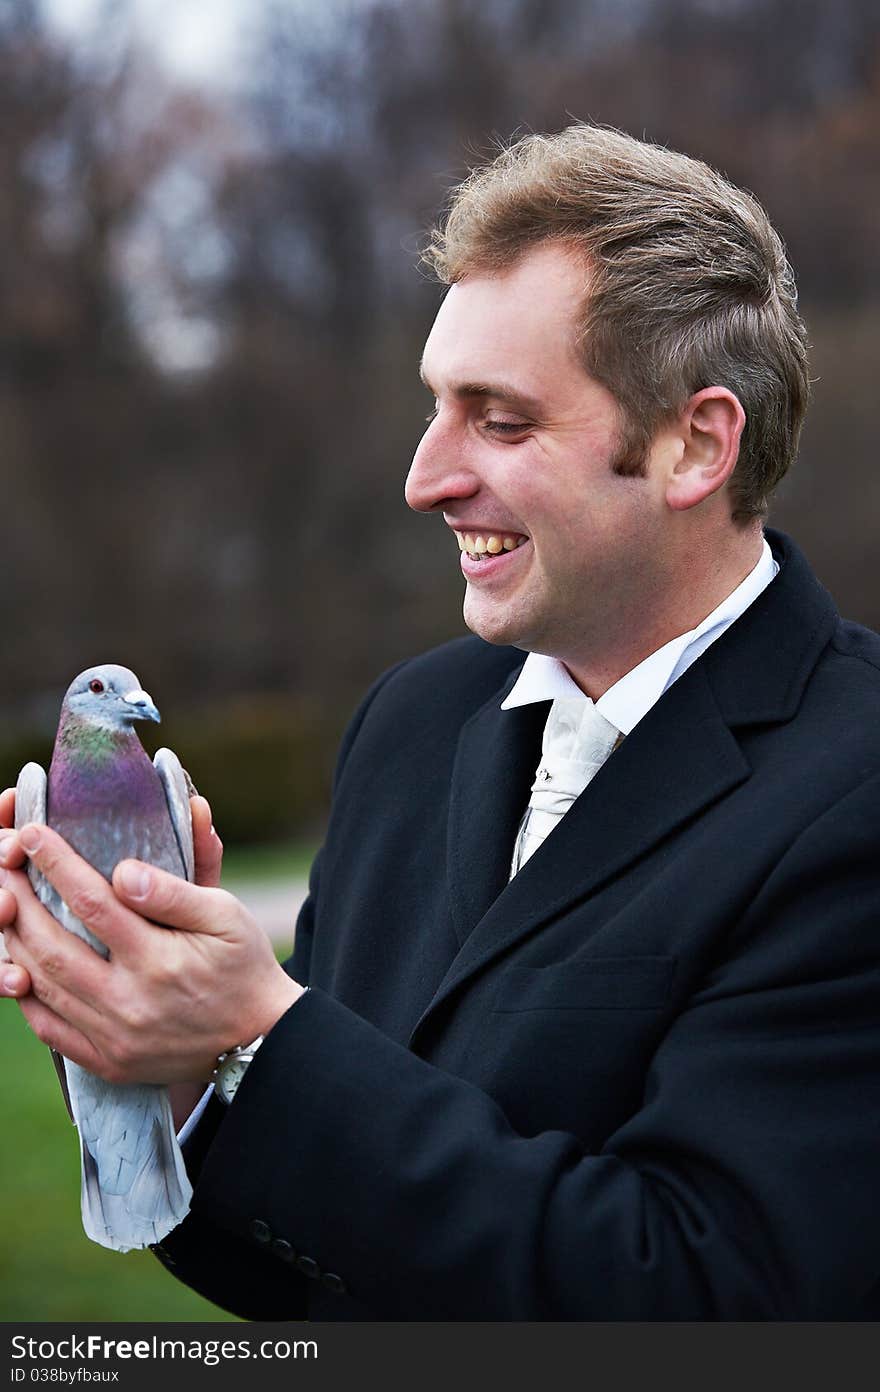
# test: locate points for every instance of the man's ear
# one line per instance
(708, 433)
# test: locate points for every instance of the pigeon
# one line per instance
(110, 802)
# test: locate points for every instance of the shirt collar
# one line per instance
(545, 678)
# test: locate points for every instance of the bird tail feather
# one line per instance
(154, 1202)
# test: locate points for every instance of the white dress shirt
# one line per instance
(581, 733)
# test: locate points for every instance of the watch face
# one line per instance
(232, 1072)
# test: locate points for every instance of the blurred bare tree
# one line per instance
(211, 316)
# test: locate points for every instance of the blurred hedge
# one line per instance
(264, 762)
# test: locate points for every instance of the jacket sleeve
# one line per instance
(254, 1278)
(743, 1187)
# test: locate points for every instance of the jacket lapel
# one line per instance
(678, 760)
(495, 764)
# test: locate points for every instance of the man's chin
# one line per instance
(503, 629)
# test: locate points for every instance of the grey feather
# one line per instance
(177, 791)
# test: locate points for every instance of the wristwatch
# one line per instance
(231, 1068)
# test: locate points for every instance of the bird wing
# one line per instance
(178, 788)
(30, 806)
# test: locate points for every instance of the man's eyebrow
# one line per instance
(500, 391)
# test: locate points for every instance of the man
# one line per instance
(594, 1022)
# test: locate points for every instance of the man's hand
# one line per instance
(14, 980)
(167, 1003)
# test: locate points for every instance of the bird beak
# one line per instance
(142, 707)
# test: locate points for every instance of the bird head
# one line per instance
(110, 696)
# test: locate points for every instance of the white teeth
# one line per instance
(468, 542)
(494, 545)
(480, 545)
(461, 541)
(510, 543)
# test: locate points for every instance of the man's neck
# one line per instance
(704, 580)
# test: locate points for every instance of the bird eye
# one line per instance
(96, 686)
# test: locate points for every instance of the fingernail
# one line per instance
(5, 847)
(135, 880)
(30, 838)
(2, 877)
(9, 981)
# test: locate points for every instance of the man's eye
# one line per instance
(498, 427)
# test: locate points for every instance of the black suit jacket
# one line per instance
(642, 1080)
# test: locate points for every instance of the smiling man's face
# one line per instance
(519, 457)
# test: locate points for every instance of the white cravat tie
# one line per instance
(577, 741)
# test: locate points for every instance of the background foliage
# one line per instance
(211, 315)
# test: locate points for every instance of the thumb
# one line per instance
(207, 846)
(169, 900)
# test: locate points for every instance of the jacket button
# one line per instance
(309, 1267)
(333, 1283)
(282, 1248)
(260, 1231)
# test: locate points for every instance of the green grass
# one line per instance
(49, 1270)
(268, 862)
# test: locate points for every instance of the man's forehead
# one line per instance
(528, 312)
(530, 369)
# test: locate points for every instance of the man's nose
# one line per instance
(438, 474)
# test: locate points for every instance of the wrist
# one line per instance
(286, 992)
(232, 1065)
(184, 1097)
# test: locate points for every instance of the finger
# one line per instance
(15, 982)
(86, 893)
(54, 958)
(12, 853)
(7, 807)
(60, 1035)
(73, 1014)
(207, 846)
(65, 973)
(167, 899)
(8, 904)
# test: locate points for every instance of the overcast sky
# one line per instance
(196, 39)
